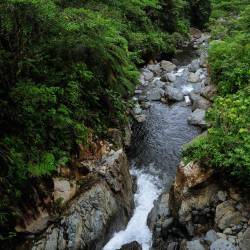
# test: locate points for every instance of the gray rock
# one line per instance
(226, 215)
(245, 241)
(174, 94)
(209, 92)
(160, 211)
(167, 66)
(173, 246)
(155, 68)
(131, 246)
(194, 245)
(222, 244)
(137, 109)
(211, 236)
(148, 75)
(222, 195)
(138, 91)
(197, 118)
(194, 77)
(171, 77)
(155, 94)
(159, 84)
(140, 118)
(228, 231)
(103, 202)
(200, 103)
(194, 66)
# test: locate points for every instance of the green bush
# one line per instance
(227, 144)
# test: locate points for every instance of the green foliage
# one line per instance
(200, 11)
(227, 144)
(67, 67)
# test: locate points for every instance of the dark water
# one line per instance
(157, 143)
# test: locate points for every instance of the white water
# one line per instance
(137, 229)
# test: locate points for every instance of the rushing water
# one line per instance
(154, 156)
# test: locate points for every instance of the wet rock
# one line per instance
(209, 92)
(200, 103)
(137, 109)
(131, 246)
(171, 77)
(155, 94)
(174, 94)
(155, 68)
(148, 75)
(167, 66)
(160, 211)
(159, 84)
(245, 241)
(138, 91)
(146, 105)
(222, 244)
(194, 66)
(211, 236)
(194, 77)
(226, 215)
(140, 118)
(197, 118)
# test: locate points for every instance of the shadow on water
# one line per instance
(156, 143)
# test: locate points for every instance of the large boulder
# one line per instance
(197, 118)
(159, 212)
(105, 202)
(174, 94)
(167, 66)
(226, 215)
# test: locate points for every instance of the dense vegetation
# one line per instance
(227, 145)
(67, 69)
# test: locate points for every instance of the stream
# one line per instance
(155, 153)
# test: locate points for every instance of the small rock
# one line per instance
(222, 244)
(168, 66)
(193, 77)
(197, 118)
(155, 94)
(209, 92)
(171, 77)
(140, 118)
(137, 109)
(138, 91)
(228, 231)
(155, 68)
(174, 94)
(200, 103)
(131, 246)
(221, 236)
(194, 66)
(211, 236)
(194, 245)
(222, 196)
(148, 75)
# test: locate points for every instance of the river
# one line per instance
(154, 156)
